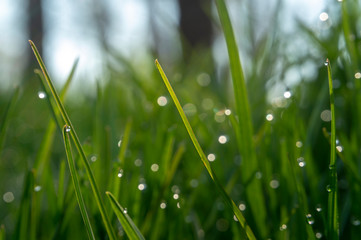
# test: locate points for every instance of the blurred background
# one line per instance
(137, 29)
(116, 94)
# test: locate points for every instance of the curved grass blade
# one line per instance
(75, 138)
(246, 146)
(75, 178)
(203, 157)
(333, 225)
(2, 232)
(127, 223)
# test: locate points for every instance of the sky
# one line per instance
(66, 38)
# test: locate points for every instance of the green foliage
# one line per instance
(283, 171)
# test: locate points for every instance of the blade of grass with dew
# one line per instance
(6, 116)
(75, 138)
(333, 226)
(250, 164)
(123, 147)
(127, 223)
(76, 184)
(203, 157)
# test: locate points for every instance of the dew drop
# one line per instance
(162, 101)
(235, 218)
(154, 167)
(318, 235)
(41, 95)
(8, 197)
(222, 139)
(358, 75)
(178, 205)
(318, 208)
(93, 158)
(287, 94)
(120, 173)
(323, 18)
(141, 186)
(176, 196)
(274, 183)
(310, 219)
(37, 188)
(329, 188)
(327, 61)
(67, 128)
(299, 144)
(339, 148)
(301, 162)
(138, 162)
(269, 117)
(283, 227)
(163, 205)
(227, 112)
(242, 206)
(119, 143)
(125, 210)
(211, 157)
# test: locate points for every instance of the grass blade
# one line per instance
(5, 119)
(333, 225)
(203, 157)
(75, 178)
(75, 138)
(246, 146)
(127, 223)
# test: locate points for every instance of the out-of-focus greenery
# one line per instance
(139, 150)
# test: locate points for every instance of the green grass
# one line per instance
(141, 166)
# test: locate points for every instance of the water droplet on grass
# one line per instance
(138, 162)
(37, 188)
(274, 183)
(329, 188)
(269, 117)
(299, 144)
(318, 235)
(67, 129)
(355, 221)
(211, 157)
(119, 143)
(327, 61)
(227, 112)
(283, 227)
(125, 210)
(41, 95)
(287, 94)
(318, 208)
(154, 167)
(8, 197)
(310, 219)
(242, 206)
(162, 101)
(120, 173)
(176, 196)
(323, 18)
(141, 186)
(163, 205)
(222, 139)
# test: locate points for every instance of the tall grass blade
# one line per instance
(75, 178)
(75, 138)
(246, 146)
(333, 226)
(203, 157)
(6, 116)
(2, 232)
(127, 223)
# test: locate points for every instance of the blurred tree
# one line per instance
(195, 25)
(35, 29)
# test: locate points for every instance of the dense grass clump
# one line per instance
(159, 153)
